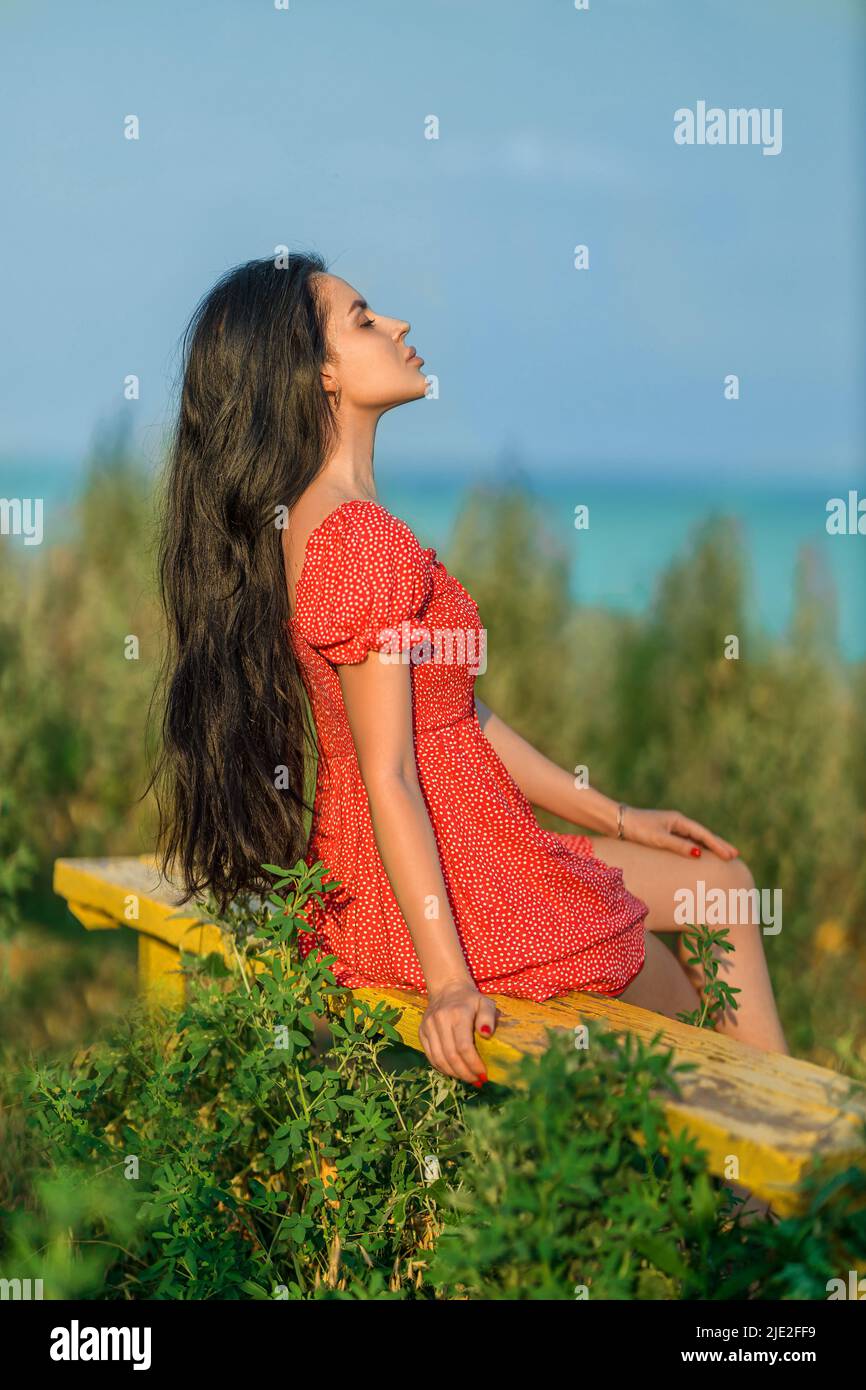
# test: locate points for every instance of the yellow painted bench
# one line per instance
(771, 1112)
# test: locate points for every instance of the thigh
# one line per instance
(657, 875)
(661, 985)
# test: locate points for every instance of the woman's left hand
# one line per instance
(673, 831)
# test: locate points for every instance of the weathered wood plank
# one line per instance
(770, 1112)
(130, 892)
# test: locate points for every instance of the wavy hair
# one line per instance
(253, 430)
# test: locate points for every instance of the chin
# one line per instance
(415, 392)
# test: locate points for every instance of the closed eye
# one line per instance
(368, 323)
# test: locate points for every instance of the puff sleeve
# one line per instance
(365, 584)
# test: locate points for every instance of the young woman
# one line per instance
(283, 577)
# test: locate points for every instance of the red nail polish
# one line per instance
(695, 852)
(482, 1078)
(485, 1028)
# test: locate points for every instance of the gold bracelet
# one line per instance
(620, 833)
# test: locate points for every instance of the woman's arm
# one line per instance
(378, 702)
(543, 783)
(553, 789)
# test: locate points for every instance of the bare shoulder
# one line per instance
(310, 513)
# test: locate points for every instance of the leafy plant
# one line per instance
(270, 1139)
(716, 996)
(274, 1139)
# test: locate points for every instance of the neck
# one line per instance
(349, 468)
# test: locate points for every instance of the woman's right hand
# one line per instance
(447, 1030)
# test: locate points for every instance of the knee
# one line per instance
(744, 910)
(726, 874)
(740, 875)
(729, 873)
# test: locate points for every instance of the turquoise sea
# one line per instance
(637, 526)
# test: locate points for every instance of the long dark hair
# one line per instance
(254, 427)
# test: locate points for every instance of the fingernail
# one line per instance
(482, 1078)
(485, 1028)
(695, 852)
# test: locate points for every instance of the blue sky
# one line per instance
(306, 127)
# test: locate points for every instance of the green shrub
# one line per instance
(275, 1139)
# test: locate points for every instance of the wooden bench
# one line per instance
(771, 1112)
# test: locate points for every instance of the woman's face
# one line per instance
(368, 356)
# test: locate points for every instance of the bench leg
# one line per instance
(159, 977)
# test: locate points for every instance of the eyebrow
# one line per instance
(357, 304)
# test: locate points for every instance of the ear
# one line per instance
(329, 381)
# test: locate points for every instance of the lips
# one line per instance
(410, 353)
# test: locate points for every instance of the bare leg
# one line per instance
(655, 875)
(663, 984)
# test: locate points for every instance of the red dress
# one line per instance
(537, 913)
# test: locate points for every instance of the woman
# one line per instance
(284, 577)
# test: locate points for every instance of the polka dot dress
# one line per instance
(537, 913)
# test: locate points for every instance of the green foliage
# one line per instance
(562, 1201)
(700, 946)
(575, 1187)
(72, 687)
(255, 1154)
(275, 1140)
